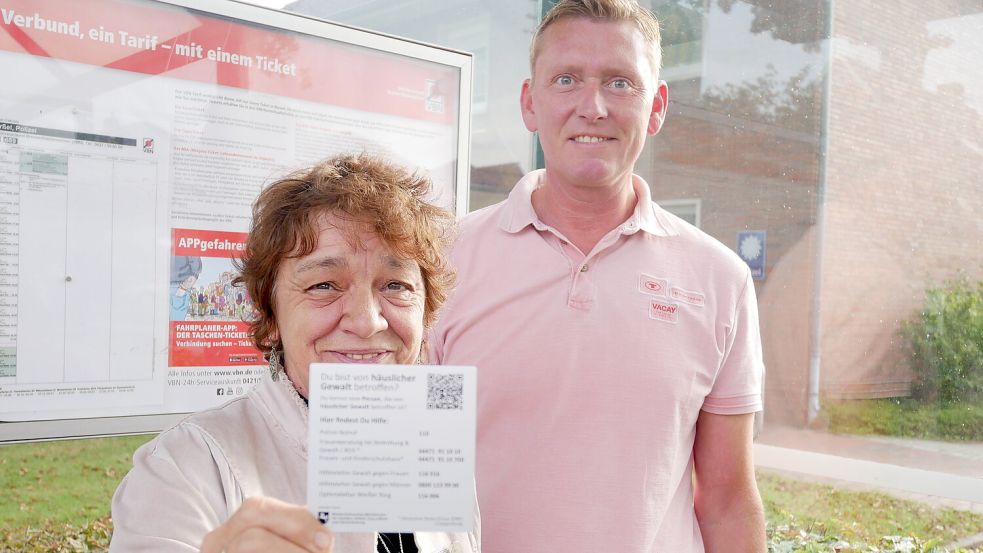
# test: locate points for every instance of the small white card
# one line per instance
(391, 447)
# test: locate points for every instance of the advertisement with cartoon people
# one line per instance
(209, 315)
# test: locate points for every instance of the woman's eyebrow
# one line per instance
(332, 262)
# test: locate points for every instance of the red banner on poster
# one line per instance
(210, 243)
(212, 344)
(180, 43)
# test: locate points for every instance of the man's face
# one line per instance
(593, 98)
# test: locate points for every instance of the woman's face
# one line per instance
(344, 303)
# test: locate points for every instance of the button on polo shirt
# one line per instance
(582, 289)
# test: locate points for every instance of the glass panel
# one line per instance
(853, 163)
(743, 135)
(840, 143)
(498, 34)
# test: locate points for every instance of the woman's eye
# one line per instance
(324, 286)
(396, 286)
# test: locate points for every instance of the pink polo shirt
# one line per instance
(592, 371)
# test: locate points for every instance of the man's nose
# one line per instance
(362, 314)
(591, 105)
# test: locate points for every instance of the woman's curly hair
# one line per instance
(364, 189)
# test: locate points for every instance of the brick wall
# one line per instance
(904, 192)
(752, 175)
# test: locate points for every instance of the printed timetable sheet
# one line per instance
(391, 447)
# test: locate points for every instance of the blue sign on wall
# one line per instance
(752, 246)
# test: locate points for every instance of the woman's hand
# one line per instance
(267, 524)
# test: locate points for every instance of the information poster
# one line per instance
(134, 136)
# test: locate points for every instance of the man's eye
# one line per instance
(564, 80)
(620, 84)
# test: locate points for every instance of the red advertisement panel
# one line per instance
(209, 316)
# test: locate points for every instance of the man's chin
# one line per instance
(596, 173)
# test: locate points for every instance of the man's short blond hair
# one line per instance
(603, 11)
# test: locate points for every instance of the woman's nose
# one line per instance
(363, 313)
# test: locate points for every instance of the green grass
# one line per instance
(59, 482)
(92, 536)
(60, 491)
(905, 418)
(854, 516)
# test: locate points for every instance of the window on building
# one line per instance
(686, 209)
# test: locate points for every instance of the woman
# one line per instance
(345, 264)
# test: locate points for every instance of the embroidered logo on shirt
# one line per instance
(651, 285)
(692, 298)
(663, 311)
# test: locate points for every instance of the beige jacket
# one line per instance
(194, 476)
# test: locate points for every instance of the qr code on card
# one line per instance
(445, 391)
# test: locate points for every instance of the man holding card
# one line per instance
(618, 353)
(344, 264)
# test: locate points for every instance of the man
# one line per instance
(617, 347)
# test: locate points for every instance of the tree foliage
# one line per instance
(945, 344)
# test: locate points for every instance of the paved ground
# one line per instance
(939, 473)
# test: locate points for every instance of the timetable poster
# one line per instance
(129, 128)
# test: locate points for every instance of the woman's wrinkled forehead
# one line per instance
(356, 233)
(308, 235)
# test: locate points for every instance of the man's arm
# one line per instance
(728, 506)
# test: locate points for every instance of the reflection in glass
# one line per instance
(848, 133)
(859, 157)
(498, 34)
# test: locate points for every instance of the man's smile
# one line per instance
(590, 139)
